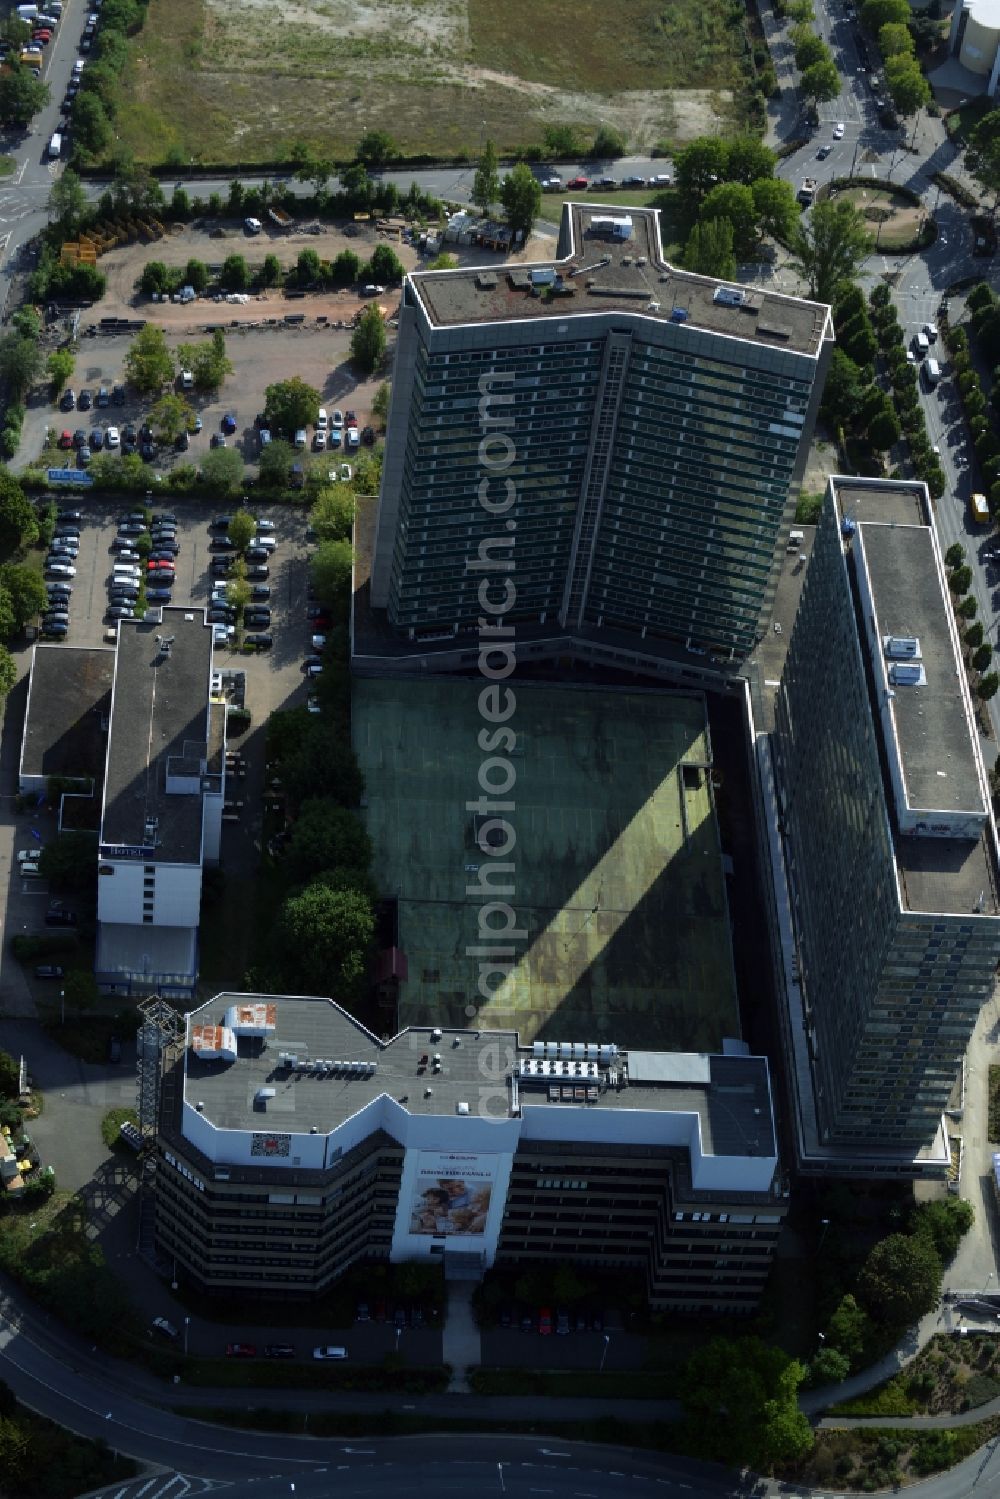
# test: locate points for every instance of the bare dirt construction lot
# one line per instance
(229, 81)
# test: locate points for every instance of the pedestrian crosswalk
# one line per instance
(162, 1485)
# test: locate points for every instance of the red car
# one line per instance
(578, 182)
(42, 36)
(241, 1350)
(158, 567)
(65, 439)
(545, 1321)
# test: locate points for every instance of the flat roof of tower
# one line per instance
(603, 273)
(159, 711)
(930, 721)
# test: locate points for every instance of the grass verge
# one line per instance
(43, 1461)
(994, 1112)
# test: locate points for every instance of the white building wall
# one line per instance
(177, 893)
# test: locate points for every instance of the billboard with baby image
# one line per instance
(451, 1194)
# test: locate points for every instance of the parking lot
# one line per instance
(261, 357)
(275, 678)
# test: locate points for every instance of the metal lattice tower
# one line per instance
(160, 1027)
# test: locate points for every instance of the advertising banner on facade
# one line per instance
(451, 1193)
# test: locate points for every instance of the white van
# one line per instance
(125, 570)
(932, 371)
(921, 343)
(27, 12)
(55, 147)
(59, 570)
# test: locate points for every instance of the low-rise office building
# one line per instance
(292, 1143)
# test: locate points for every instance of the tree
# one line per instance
(983, 159)
(821, 81)
(944, 1223)
(830, 1366)
(68, 202)
(609, 142)
(92, 130)
(894, 40)
(830, 246)
(776, 207)
(968, 608)
(223, 470)
(973, 638)
(271, 273)
(901, 1279)
(882, 423)
(380, 403)
(325, 836)
(346, 269)
(385, 265)
(287, 732)
(908, 88)
(332, 514)
(80, 989)
(171, 416)
(521, 196)
(20, 364)
(308, 268)
(486, 183)
(276, 464)
(743, 1398)
(878, 13)
(59, 367)
(235, 274)
(734, 201)
(242, 529)
(26, 590)
(960, 581)
(375, 148)
(955, 555)
(983, 656)
(149, 364)
(8, 671)
(842, 392)
(324, 763)
(809, 47)
(207, 361)
(325, 936)
(857, 338)
(10, 1076)
(291, 404)
(709, 249)
(156, 279)
(18, 519)
(331, 567)
(196, 275)
(988, 686)
(368, 341)
(697, 169)
(22, 95)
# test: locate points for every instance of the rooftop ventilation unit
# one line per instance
(901, 647)
(907, 674)
(679, 315)
(729, 296)
(461, 1108)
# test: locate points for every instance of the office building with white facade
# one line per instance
(292, 1143)
(883, 842)
(162, 805)
(618, 440)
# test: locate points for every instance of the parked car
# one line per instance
(49, 971)
(229, 423)
(368, 436)
(577, 182)
(259, 642)
(160, 1324)
(329, 1352)
(279, 1350)
(86, 400)
(65, 438)
(241, 1350)
(61, 918)
(562, 1322)
(260, 594)
(258, 574)
(120, 611)
(112, 438)
(545, 1321)
(114, 1050)
(67, 401)
(217, 440)
(158, 595)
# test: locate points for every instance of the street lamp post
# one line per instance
(825, 1222)
(173, 1282)
(62, 1005)
(187, 1324)
(604, 1352)
(399, 1333)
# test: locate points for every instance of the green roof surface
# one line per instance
(617, 873)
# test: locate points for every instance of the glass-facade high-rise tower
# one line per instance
(887, 837)
(653, 427)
